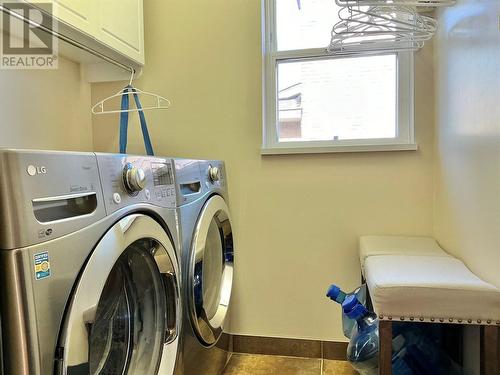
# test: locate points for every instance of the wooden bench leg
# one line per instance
(490, 350)
(453, 341)
(385, 348)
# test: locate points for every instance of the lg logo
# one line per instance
(32, 170)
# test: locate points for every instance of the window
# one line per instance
(315, 102)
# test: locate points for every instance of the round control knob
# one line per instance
(134, 178)
(214, 174)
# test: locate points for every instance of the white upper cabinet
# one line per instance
(112, 26)
(121, 26)
(77, 13)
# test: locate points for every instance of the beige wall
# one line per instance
(467, 156)
(467, 192)
(297, 218)
(45, 109)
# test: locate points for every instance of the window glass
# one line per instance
(304, 24)
(315, 100)
(337, 99)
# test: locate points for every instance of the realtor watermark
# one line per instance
(26, 43)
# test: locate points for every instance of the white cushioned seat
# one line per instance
(398, 245)
(430, 288)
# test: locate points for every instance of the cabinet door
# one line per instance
(113, 24)
(121, 26)
(76, 13)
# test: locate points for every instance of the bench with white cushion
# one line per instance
(414, 279)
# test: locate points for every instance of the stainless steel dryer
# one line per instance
(88, 264)
(207, 264)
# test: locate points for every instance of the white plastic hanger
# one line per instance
(415, 3)
(161, 102)
(380, 28)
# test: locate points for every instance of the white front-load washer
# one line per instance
(88, 264)
(207, 264)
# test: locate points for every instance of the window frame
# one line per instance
(405, 139)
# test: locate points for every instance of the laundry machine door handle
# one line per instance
(172, 313)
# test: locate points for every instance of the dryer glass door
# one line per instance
(211, 271)
(125, 307)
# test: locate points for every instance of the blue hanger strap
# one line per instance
(124, 121)
(144, 126)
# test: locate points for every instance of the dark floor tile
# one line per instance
(247, 364)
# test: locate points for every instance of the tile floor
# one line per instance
(255, 364)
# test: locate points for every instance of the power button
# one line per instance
(117, 198)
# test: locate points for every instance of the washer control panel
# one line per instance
(128, 180)
(134, 178)
(46, 195)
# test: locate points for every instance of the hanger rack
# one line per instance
(413, 3)
(380, 28)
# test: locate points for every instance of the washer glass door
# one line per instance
(211, 270)
(125, 307)
(126, 332)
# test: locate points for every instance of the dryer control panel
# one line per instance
(195, 178)
(128, 180)
(214, 173)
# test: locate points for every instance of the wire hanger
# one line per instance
(380, 28)
(161, 102)
(415, 3)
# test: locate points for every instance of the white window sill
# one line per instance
(334, 149)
